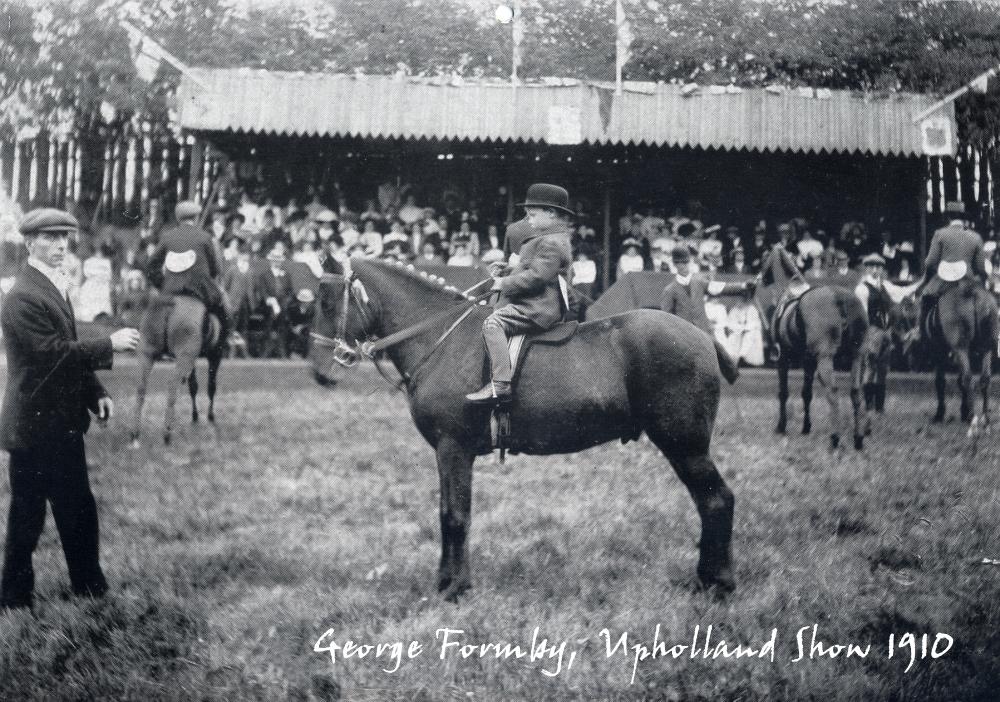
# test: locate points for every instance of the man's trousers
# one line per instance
(54, 472)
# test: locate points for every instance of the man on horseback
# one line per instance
(778, 268)
(186, 263)
(531, 297)
(873, 293)
(956, 253)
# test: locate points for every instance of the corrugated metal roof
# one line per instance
(570, 112)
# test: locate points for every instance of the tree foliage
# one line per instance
(66, 61)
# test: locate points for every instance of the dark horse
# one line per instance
(640, 371)
(176, 326)
(963, 329)
(827, 322)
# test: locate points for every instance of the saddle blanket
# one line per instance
(950, 271)
(180, 262)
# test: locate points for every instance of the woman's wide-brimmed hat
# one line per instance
(546, 195)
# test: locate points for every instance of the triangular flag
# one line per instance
(980, 84)
(623, 36)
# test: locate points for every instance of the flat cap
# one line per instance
(680, 254)
(186, 209)
(873, 259)
(326, 216)
(842, 256)
(47, 219)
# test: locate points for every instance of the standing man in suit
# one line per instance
(51, 386)
(956, 253)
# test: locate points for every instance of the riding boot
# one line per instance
(926, 305)
(497, 391)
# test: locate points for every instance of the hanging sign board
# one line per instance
(936, 136)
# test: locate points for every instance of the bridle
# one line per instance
(349, 356)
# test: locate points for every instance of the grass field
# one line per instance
(307, 509)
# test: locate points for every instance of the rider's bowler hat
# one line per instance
(955, 206)
(546, 195)
(873, 259)
(186, 209)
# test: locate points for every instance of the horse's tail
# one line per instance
(726, 363)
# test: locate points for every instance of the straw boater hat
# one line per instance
(551, 196)
(326, 216)
(631, 242)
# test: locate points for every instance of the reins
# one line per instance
(349, 357)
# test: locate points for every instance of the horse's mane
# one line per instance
(432, 283)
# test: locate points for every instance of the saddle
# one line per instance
(518, 347)
(155, 324)
(784, 324)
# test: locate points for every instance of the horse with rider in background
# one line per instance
(958, 316)
(186, 318)
(813, 326)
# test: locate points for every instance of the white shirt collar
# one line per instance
(55, 275)
(684, 279)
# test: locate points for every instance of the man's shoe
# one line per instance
(495, 392)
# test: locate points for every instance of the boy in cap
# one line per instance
(531, 298)
(685, 295)
(872, 291)
(185, 262)
(51, 387)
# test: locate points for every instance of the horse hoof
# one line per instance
(859, 443)
(780, 429)
(211, 418)
(454, 591)
(937, 419)
(194, 418)
(806, 428)
(719, 583)
(834, 440)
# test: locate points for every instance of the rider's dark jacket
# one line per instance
(197, 280)
(532, 284)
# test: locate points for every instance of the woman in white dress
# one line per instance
(95, 292)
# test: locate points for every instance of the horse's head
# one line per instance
(876, 352)
(343, 320)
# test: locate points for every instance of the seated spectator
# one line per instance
(471, 238)
(808, 249)
(305, 252)
(631, 260)
(95, 292)
(744, 336)
(904, 274)
(583, 274)
(677, 220)
(444, 230)
(758, 248)
(396, 246)
(492, 240)
(297, 226)
(889, 250)
(429, 255)
(410, 213)
(372, 214)
(843, 263)
(460, 253)
(661, 249)
(248, 209)
(314, 206)
(217, 226)
(710, 246)
(370, 243)
(815, 270)
(737, 262)
(270, 232)
(731, 241)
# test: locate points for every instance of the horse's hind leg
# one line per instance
(808, 374)
(828, 379)
(146, 365)
(455, 470)
(193, 388)
(714, 501)
(182, 370)
(782, 393)
(214, 359)
(965, 383)
(940, 383)
(985, 377)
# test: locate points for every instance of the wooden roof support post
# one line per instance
(606, 249)
(194, 174)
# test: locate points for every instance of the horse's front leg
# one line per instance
(985, 376)
(193, 389)
(782, 393)
(145, 367)
(455, 471)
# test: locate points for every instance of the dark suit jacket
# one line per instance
(532, 285)
(51, 383)
(196, 280)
